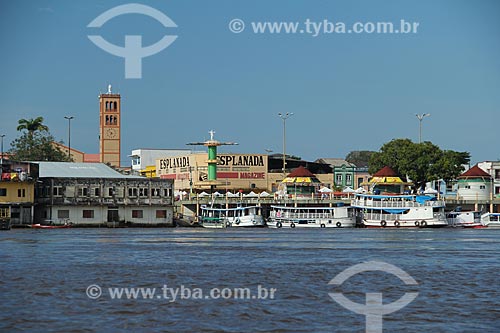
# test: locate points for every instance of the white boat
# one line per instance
(398, 211)
(464, 219)
(231, 217)
(311, 217)
(491, 220)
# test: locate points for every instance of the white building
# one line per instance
(93, 194)
(143, 158)
(493, 169)
(474, 184)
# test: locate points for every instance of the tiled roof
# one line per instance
(385, 172)
(301, 172)
(475, 172)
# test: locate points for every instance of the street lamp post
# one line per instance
(284, 117)
(420, 118)
(1, 158)
(69, 134)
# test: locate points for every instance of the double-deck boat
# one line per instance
(491, 220)
(464, 219)
(399, 211)
(249, 216)
(311, 217)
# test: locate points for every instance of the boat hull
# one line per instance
(250, 221)
(312, 223)
(41, 226)
(424, 223)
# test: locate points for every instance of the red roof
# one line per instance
(475, 172)
(385, 172)
(301, 172)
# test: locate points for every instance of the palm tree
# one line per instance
(32, 125)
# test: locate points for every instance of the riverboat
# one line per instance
(311, 217)
(399, 211)
(249, 216)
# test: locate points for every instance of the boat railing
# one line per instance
(396, 203)
(294, 215)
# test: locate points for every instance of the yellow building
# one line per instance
(16, 196)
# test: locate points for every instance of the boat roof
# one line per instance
(381, 196)
(226, 209)
(291, 207)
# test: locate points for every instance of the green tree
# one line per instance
(32, 125)
(360, 158)
(37, 146)
(421, 162)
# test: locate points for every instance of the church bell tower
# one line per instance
(109, 128)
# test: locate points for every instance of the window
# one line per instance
(348, 179)
(111, 192)
(3, 192)
(83, 192)
(166, 192)
(4, 212)
(497, 173)
(482, 187)
(161, 214)
(338, 179)
(88, 214)
(136, 160)
(467, 187)
(57, 191)
(132, 192)
(21, 193)
(63, 214)
(137, 214)
(97, 192)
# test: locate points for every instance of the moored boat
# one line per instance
(464, 219)
(311, 217)
(44, 226)
(389, 205)
(399, 211)
(491, 220)
(249, 216)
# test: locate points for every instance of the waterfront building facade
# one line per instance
(343, 172)
(16, 194)
(93, 194)
(474, 184)
(493, 169)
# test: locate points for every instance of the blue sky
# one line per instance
(347, 91)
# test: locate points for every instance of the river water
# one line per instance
(50, 279)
